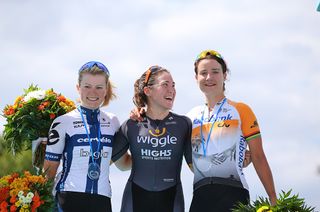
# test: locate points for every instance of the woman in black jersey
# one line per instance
(157, 145)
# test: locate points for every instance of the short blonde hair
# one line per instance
(95, 70)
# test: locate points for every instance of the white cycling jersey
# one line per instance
(218, 156)
(69, 143)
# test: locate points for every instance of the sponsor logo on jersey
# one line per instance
(220, 118)
(77, 124)
(96, 155)
(157, 132)
(223, 124)
(255, 124)
(224, 110)
(242, 150)
(149, 154)
(53, 134)
(155, 141)
(168, 180)
(103, 140)
(170, 122)
(105, 124)
(52, 156)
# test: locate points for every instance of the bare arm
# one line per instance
(124, 163)
(50, 168)
(262, 168)
(247, 159)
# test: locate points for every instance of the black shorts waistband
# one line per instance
(217, 180)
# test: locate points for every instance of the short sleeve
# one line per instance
(56, 141)
(121, 143)
(249, 124)
(187, 146)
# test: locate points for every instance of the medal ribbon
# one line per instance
(214, 116)
(88, 135)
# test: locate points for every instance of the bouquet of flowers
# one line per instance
(25, 192)
(31, 116)
(285, 203)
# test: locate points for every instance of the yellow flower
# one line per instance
(24, 209)
(4, 181)
(14, 192)
(62, 104)
(17, 100)
(18, 184)
(264, 208)
(36, 179)
(18, 203)
(25, 206)
(25, 190)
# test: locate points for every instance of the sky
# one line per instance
(272, 49)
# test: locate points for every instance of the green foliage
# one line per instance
(285, 203)
(31, 115)
(13, 163)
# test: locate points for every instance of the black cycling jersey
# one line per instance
(157, 148)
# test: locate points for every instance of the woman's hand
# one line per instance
(136, 114)
(247, 159)
(50, 168)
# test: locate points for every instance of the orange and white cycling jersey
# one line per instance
(225, 132)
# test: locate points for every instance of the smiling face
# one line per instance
(162, 93)
(92, 90)
(210, 77)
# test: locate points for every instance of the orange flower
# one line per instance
(40, 107)
(13, 199)
(46, 104)
(13, 208)
(3, 206)
(61, 98)
(36, 202)
(27, 174)
(52, 115)
(9, 111)
(4, 193)
(14, 175)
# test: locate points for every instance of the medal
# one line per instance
(214, 118)
(202, 163)
(93, 171)
(93, 168)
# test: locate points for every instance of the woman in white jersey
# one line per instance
(82, 141)
(222, 129)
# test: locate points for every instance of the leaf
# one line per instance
(285, 203)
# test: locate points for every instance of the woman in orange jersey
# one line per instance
(222, 129)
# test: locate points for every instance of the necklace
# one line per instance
(214, 117)
(93, 168)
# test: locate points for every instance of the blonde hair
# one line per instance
(95, 70)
